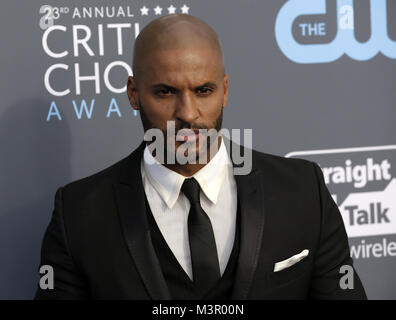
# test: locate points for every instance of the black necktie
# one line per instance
(205, 264)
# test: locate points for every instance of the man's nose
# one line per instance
(187, 109)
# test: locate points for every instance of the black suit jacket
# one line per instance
(99, 244)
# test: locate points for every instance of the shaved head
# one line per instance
(178, 77)
(172, 33)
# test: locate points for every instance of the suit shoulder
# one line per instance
(291, 173)
(281, 162)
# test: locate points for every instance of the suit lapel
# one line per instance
(130, 199)
(251, 204)
(250, 198)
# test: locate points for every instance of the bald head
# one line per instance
(175, 32)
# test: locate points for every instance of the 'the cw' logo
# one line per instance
(318, 40)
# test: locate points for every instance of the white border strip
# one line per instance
(341, 150)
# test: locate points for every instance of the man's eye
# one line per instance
(164, 92)
(204, 90)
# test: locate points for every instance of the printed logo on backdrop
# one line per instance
(321, 31)
(89, 52)
(362, 182)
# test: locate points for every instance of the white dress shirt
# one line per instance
(170, 207)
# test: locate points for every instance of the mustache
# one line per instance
(180, 124)
(191, 126)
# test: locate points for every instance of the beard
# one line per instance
(210, 147)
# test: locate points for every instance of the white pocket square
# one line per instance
(290, 261)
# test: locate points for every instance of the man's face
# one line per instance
(187, 86)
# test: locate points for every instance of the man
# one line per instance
(146, 229)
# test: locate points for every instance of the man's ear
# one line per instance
(225, 85)
(133, 95)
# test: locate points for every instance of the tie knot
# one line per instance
(191, 190)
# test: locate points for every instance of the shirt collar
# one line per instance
(168, 183)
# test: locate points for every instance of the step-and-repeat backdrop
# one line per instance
(314, 79)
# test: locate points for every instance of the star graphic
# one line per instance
(158, 10)
(144, 11)
(185, 9)
(171, 9)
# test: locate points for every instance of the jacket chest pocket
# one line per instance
(290, 273)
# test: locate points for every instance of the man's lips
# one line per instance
(187, 135)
